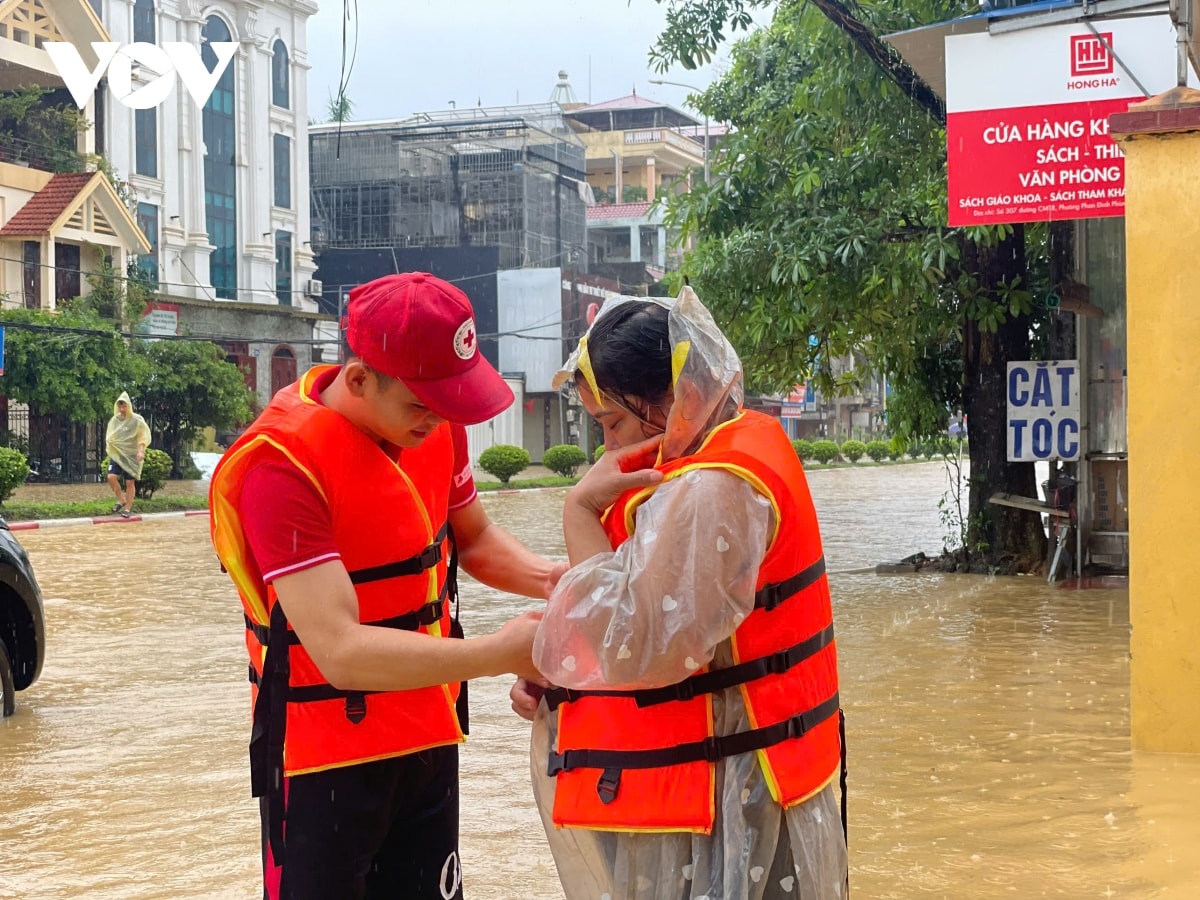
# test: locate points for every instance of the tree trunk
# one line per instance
(999, 538)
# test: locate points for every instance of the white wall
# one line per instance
(529, 302)
(178, 190)
(505, 428)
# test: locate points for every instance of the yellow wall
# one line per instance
(1162, 229)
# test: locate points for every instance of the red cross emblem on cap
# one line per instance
(464, 339)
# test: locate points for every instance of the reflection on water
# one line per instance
(988, 725)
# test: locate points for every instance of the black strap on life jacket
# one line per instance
(266, 736)
(414, 565)
(712, 749)
(426, 615)
(450, 589)
(709, 682)
(275, 692)
(769, 596)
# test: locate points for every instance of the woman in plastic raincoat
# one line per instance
(656, 367)
(127, 438)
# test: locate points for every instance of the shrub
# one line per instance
(854, 450)
(929, 449)
(503, 461)
(156, 469)
(878, 450)
(825, 451)
(564, 459)
(14, 469)
(894, 453)
(803, 448)
(915, 450)
(597, 453)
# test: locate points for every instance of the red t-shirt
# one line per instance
(287, 525)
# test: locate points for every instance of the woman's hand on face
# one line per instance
(616, 472)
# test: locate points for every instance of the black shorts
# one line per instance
(386, 829)
(114, 469)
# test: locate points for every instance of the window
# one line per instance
(143, 21)
(31, 282)
(283, 171)
(283, 267)
(67, 283)
(97, 8)
(220, 167)
(147, 219)
(145, 131)
(280, 77)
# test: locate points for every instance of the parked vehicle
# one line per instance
(22, 623)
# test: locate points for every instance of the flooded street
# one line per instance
(987, 719)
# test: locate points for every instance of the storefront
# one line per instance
(1028, 93)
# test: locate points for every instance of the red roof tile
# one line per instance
(615, 211)
(43, 208)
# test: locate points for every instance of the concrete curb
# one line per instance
(102, 520)
(561, 487)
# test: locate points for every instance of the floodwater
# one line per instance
(987, 720)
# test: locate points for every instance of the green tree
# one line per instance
(36, 129)
(823, 233)
(70, 363)
(340, 108)
(184, 386)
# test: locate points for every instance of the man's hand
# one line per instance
(513, 646)
(558, 571)
(525, 696)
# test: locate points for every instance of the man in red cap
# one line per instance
(341, 515)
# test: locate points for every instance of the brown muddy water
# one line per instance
(987, 720)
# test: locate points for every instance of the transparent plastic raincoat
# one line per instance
(125, 436)
(616, 602)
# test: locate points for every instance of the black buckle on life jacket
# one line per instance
(771, 595)
(713, 752)
(797, 726)
(779, 663)
(686, 689)
(556, 763)
(356, 706)
(606, 787)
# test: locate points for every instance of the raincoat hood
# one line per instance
(124, 398)
(705, 369)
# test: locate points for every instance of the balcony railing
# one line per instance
(665, 136)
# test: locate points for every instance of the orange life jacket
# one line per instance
(389, 525)
(645, 760)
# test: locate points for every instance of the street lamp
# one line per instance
(691, 87)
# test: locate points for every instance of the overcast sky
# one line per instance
(419, 55)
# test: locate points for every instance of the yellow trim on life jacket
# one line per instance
(234, 557)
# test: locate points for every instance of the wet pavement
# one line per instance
(988, 724)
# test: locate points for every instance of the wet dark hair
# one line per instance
(630, 350)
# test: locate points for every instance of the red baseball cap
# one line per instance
(421, 330)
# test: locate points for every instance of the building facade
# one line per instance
(221, 190)
(637, 150)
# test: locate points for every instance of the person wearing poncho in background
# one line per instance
(127, 438)
(689, 746)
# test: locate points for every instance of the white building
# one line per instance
(222, 190)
